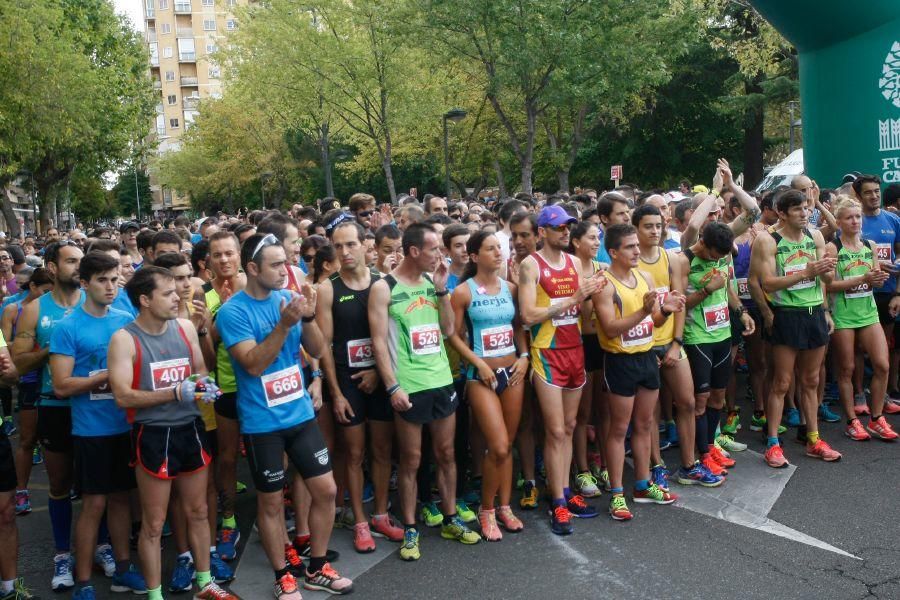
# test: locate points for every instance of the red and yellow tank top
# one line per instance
(556, 285)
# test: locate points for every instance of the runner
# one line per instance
(486, 310)
(857, 273)
(792, 268)
(551, 293)
(156, 372)
(30, 350)
(388, 245)
(627, 311)
(408, 314)
(100, 430)
(357, 396)
(261, 328)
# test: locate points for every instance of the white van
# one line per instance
(783, 172)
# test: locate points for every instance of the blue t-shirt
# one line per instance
(49, 315)
(277, 400)
(14, 298)
(670, 244)
(123, 303)
(884, 230)
(86, 338)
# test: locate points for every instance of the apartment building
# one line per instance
(181, 37)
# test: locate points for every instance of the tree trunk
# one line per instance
(12, 222)
(753, 139)
(501, 184)
(325, 150)
(562, 176)
(526, 170)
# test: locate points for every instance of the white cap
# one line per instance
(675, 196)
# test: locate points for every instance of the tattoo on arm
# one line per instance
(25, 334)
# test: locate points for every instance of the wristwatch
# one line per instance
(202, 332)
(316, 373)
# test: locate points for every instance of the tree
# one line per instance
(129, 188)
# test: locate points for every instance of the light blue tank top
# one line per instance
(489, 320)
(49, 312)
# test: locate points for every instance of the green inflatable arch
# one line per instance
(849, 83)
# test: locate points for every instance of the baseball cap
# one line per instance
(128, 225)
(700, 189)
(675, 196)
(554, 216)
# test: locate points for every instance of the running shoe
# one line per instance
(327, 579)
(286, 588)
(801, 434)
(714, 467)
(9, 427)
(383, 526)
(595, 463)
(758, 423)
(727, 443)
(775, 457)
(19, 592)
(37, 457)
(822, 450)
(672, 432)
(456, 530)
(561, 521)
(508, 520)
(603, 480)
(891, 407)
(62, 572)
(293, 562)
(410, 548)
(431, 515)
(212, 591)
(304, 549)
(219, 569)
(659, 475)
(85, 593)
(487, 519)
(344, 518)
(792, 417)
(362, 538)
(586, 484)
(129, 581)
(166, 530)
(466, 514)
(881, 429)
(697, 475)
(472, 494)
(860, 406)
(828, 415)
(654, 495)
(182, 575)
(856, 432)
(618, 508)
(664, 443)
(228, 539)
(23, 503)
(581, 509)
(368, 493)
(717, 455)
(104, 559)
(732, 424)
(240, 487)
(529, 500)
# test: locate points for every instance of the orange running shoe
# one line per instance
(881, 429)
(714, 467)
(775, 457)
(856, 432)
(822, 450)
(718, 456)
(891, 407)
(489, 529)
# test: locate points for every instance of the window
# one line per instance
(209, 2)
(163, 4)
(170, 75)
(167, 52)
(160, 125)
(186, 50)
(172, 99)
(173, 123)
(230, 24)
(166, 28)
(232, 3)
(167, 197)
(209, 24)
(211, 48)
(150, 11)
(154, 54)
(214, 72)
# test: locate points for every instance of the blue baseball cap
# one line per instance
(554, 216)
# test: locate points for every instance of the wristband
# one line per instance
(706, 292)
(393, 389)
(664, 312)
(308, 319)
(202, 332)
(316, 373)
(524, 355)
(740, 311)
(678, 341)
(442, 293)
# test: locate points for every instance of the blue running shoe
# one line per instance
(37, 457)
(167, 529)
(581, 509)
(129, 581)
(219, 569)
(228, 539)
(672, 432)
(85, 593)
(664, 443)
(659, 475)
(828, 415)
(368, 492)
(793, 418)
(698, 475)
(561, 521)
(182, 576)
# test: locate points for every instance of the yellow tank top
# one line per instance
(661, 274)
(627, 301)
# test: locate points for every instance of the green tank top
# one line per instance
(416, 344)
(709, 321)
(224, 370)
(792, 257)
(853, 308)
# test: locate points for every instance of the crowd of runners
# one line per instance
(479, 357)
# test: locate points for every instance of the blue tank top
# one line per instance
(489, 320)
(741, 274)
(49, 313)
(31, 376)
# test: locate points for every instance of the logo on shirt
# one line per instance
(798, 255)
(420, 302)
(346, 298)
(322, 456)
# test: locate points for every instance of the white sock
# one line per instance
(6, 586)
(186, 555)
(212, 549)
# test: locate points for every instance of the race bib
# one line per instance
(570, 317)
(638, 335)
(803, 283)
(662, 293)
(103, 392)
(359, 353)
(883, 252)
(169, 373)
(716, 316)
(282, 386)
(743, 288)
(425, 339)
(497, 341)
(858, 291)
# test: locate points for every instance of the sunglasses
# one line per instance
(268, 240)
(560, 228)
(365, 213)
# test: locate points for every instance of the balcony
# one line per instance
(150, 13)
(151, 35)
(190, 102)
(189, 82)
(184, 32)
(182, 8)
(157, 84)
(161, 131)
(154, 61)
(187, 57)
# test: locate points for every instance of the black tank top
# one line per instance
(351, 343)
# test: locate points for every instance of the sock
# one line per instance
(641, 485)
(301, 539)
(801, 431)
(874, 418)
(315, 564)
(670, 422)
(615, 491)
(279, 573)
(850, 421)
(122, 566)
(758, 413)
(80, 585)
(102, 531)
(203, 579)
(155, 593)
(812, 437)
(559, 502)
(408, 527)
(60, 510)
(449, 518)
(713, 417)
(6, 586)
(567, 493)
(531, 481)
(187, 555)
(229, 522)
(212, 549)
(772, 441)
(701, 434)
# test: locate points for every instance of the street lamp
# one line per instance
(456, 115)
(263, 178)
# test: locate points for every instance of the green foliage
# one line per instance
(128, 189)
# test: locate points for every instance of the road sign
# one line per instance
(615, 172)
